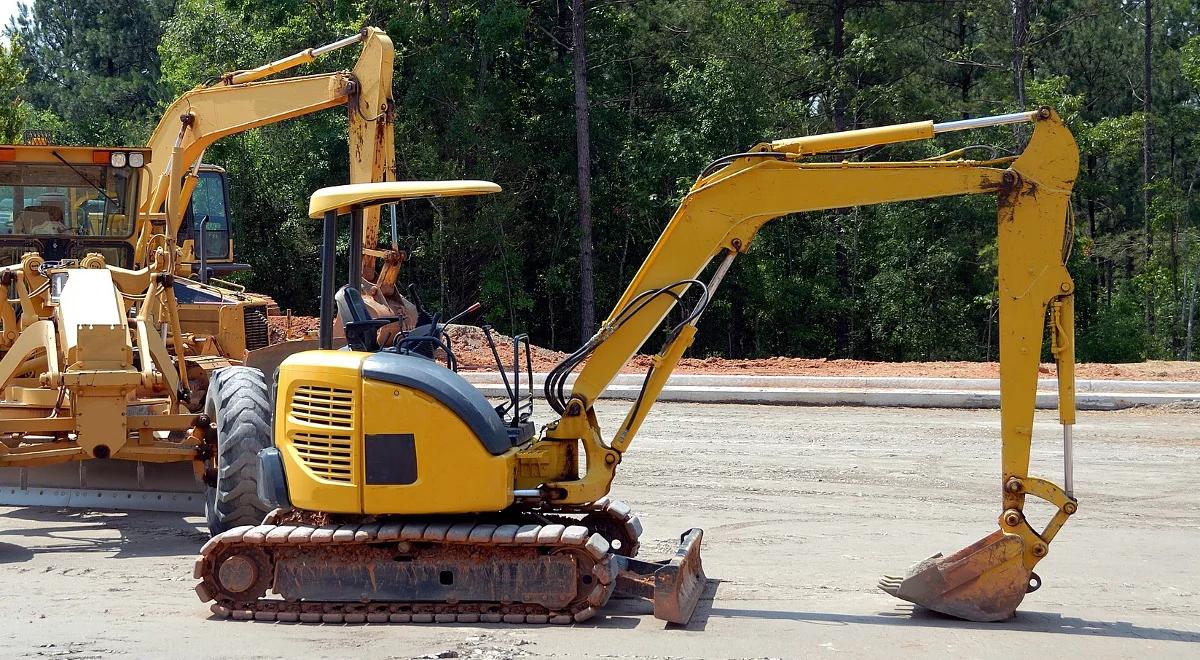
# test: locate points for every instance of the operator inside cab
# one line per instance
(57, 200)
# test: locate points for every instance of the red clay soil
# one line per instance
(281, 328)
(473, 353)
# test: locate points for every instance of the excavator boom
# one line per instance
(719, 218)
(244, 100)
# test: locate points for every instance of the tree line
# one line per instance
(596, 115)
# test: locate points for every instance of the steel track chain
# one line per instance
(262, 537)
(617, 511)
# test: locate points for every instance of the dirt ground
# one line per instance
(474, 354)
(803, 509)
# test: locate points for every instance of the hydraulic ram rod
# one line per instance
(870, 137)
(985, 122)
(291, 61)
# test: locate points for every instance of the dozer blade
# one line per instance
(984, 581)
(674, 585)
(105, 484)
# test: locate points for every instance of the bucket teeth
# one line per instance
(984, 581)
(890, 584)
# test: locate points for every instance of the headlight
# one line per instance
(137, 159)
(118, 159)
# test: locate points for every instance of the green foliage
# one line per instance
(1116, 334)
(484, 90)
(13, 110)
(94, 63)
(1189, 57)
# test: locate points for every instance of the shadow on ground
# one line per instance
(122, 533)
(14, 554)
(1024, 621)
(904, 615)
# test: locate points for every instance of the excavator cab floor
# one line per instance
(673, 585)
(984, 581)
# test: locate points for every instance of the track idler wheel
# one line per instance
(244, 574)
(984, 581)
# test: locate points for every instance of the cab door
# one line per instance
(210, 205)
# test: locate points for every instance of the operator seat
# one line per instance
(419, 373)
(360, 327)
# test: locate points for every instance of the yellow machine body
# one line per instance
(460, 464)
(353, 444)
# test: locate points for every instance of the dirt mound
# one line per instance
(281, 328)
(474, 354)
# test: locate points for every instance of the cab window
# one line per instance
(60, 200)
(209, 206)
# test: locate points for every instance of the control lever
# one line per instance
(470, 311)
(423, 316)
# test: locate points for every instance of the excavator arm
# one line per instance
(243, 100)
(718, 220)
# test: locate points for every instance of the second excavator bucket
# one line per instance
(674, 585)
(984, 581)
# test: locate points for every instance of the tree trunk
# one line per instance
(842, 344)
(1020, 40)
(1173, 257)
(965, 77)
(1020, 43)
(583, 172)
(1147, 162)
(838, 50)
(1191, 316)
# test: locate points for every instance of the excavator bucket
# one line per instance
(984, 581)
(674, 585)
(105, 484)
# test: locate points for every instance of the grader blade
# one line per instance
(674, 585)
(984, 581)
(105, 484)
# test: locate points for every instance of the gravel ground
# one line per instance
(803, 509)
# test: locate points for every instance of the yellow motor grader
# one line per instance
(116, 318)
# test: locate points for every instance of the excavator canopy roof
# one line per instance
(341, 198)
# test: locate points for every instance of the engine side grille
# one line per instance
(316, 405)
(328, 456)
(255, 320)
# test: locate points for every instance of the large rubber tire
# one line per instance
(239, 402)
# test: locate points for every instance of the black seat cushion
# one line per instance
(447, 387)
(361, 329)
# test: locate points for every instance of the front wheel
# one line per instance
(239, 402)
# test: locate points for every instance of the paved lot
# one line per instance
(803, 509)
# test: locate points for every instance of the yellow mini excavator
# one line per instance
(401, 494)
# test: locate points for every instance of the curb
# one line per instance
(866, 391)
